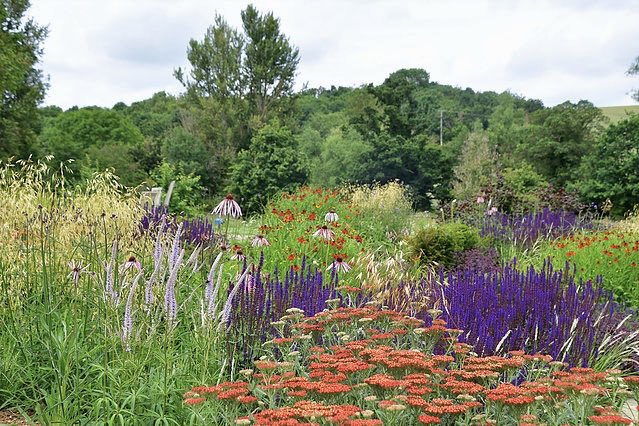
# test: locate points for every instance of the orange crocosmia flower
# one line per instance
(291, 257)
(571, 253)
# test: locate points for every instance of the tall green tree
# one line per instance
(270, 62)
(559, 138)
(22, 85)
(611, 171)
(634, 70)
(216, 63)
(272, 163)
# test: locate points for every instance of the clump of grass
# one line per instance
(385, 210)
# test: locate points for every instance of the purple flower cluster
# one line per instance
(539, 311)
(502, 309)
(195, 231)
(525, 230)
(265, 298)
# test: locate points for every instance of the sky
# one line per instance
(100, 52)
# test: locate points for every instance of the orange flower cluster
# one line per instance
(368, 382)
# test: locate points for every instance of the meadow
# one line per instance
(618, 113)
(335, 306)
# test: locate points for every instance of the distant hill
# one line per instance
(617, 113)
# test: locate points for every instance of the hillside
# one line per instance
(616, 113)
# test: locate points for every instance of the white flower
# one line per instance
(331, 216)
(324, 233)
(228, 207)
(260, 241)
(339, 265)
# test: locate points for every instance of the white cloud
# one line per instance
(102, 52)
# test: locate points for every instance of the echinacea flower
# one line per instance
(480, 200)
(260, 241)
(331, 216)
(76, 270)
(239, 255)
(132, 262)
(325, 233)
(228, 207)
(339, 265)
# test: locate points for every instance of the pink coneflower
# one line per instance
(77, 269)
(324, 233)
(339, 265)
(331, 216)
(239, 255)
(480, 200)
(228, 207)
(132, 262)
(491, 211)
(260, 241)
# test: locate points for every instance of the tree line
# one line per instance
(241, 127)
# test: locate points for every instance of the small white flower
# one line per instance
(325, 233)
(260, 241)
(331, 216)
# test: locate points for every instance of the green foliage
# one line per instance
(22, 85)
(188, 193)
(96, 138)
(257, 66)
(441, 244)
(340, 158)
(477, 168)
(272, 163)
(560, 138)
(185, 152)
(612, 169)
(269, 64)
(614, 255)
(525, 184)
(634, 70)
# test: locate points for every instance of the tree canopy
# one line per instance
(22, 85)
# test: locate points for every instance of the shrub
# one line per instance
(443, 243)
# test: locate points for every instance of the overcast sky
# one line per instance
(100, 52)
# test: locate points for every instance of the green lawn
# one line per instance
(617, 113)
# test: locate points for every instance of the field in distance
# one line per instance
(617, 113)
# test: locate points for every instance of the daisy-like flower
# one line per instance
(132, 263)
(339, 265)
(77, 269)
(324, 233)
(331, 216)
(228, 207)
(260, 241)
(239, 255)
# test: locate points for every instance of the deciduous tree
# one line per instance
(22, 85)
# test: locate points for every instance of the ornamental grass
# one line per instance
(366, 366)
